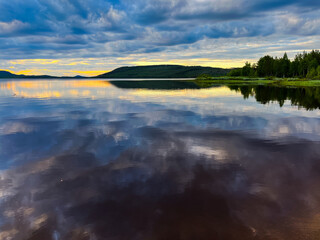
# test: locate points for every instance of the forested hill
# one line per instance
(164, 71)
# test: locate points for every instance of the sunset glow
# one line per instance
(93, 37)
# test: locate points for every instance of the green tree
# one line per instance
(277, 67)
(246, 69)
(318, 71)
(294, 68)
(312, 73)
(304, 65)
(284, 66)
(235, 72)
(313, 64)
(265, 66)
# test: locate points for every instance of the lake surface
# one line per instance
(98, 159)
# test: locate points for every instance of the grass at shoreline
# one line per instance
(281, 82)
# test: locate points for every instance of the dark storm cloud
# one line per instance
(144, 25)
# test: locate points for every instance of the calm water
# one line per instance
(162, 160)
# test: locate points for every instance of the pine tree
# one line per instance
(318, 71)
(312, 73)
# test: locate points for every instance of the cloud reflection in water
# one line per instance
(113, 169)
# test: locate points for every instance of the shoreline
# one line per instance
(281, 82)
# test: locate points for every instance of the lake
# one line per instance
(98, 159)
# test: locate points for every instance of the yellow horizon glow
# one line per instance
(204, 62)
(58, 67)
(90, 72)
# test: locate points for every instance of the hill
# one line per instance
(156, 71)
(164, 71)
(7, 74)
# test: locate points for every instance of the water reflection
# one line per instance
(52, 89)
(156, 85)
(306, 97)
(155, 164)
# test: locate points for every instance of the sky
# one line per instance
(89, 37)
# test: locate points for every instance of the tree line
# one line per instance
(304, 65)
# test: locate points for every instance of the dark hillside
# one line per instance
(164, 71)
(6, 74)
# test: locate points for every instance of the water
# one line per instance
(95, 159)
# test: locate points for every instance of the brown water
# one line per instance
(100, 159)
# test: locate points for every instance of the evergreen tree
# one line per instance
(284, 66)
(246, 69)
(304, 65)
(312, 73)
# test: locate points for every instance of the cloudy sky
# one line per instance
(87, 37)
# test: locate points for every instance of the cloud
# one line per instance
(12, 28)
(305, 25)
(96, 29)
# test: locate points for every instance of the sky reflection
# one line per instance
(150, 164)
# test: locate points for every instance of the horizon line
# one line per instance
(26, 71)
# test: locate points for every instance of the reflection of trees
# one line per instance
(246, 91)
(308, 97)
